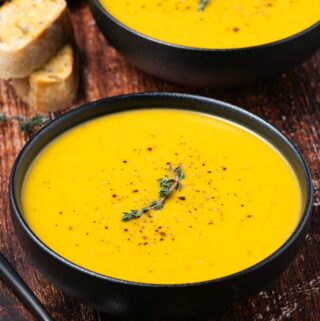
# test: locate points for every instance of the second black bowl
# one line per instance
(206, 67)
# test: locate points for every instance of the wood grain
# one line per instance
(291, 102)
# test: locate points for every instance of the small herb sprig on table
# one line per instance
(27, 125)
(167, 187)
(202, 4)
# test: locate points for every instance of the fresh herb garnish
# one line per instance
(3, 118)
(27, 125)
(202, 4)
(167, 187)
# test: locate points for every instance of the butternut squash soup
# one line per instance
(162, 196)
(216, 24)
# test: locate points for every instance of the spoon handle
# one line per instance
(8, 273)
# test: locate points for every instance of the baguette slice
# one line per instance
(31, 32)
(54, 86)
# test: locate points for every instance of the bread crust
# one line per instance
(21, 62)
(49, 95)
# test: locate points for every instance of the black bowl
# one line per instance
(132, 300)
(206, 67)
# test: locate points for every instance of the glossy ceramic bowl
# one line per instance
(206, 67)
(132, 300)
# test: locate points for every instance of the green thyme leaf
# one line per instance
(167, 187)
(3, 118)
(153, 204)
(179, 172)
(126, 217)
(202, 4)
(27, 125)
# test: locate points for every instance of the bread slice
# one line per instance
(31, 32)
(54, 86)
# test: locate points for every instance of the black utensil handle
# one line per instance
(22, 290)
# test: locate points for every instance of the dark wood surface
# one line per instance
(291, 102)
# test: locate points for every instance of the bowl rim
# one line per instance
(306, 209)
(281, 41)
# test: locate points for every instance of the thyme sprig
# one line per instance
(27, 125)
(202, 4)
(167, 187)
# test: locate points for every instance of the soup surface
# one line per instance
(222, 23)
(239, 202)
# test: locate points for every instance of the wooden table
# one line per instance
(291, 102)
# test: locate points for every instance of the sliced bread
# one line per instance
(52, 87)
(31, 32)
